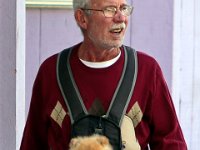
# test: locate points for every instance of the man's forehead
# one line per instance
(110, 1)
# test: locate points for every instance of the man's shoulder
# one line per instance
(52, 60)
(143, 57)
(147, 63)
(146, 58)
(49, 61)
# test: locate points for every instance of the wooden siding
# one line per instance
(186, 62)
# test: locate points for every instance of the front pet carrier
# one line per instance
(84, 124)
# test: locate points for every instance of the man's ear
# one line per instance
(81, 18)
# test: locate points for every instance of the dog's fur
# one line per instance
(94, 142)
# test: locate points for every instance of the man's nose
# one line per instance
(119, 17)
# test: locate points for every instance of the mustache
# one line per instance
(118, 26)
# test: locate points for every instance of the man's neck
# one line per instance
(94, 54)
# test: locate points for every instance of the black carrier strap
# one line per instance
(120, 98)
(68, 87)
(124, 91)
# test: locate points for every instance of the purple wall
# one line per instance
(50, 30)
(152, 31)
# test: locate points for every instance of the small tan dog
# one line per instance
(94, 142)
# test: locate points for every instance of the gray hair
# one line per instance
(81, 4)
(77, 4)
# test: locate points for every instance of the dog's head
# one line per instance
(94, 142)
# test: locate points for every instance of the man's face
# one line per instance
(106, 32)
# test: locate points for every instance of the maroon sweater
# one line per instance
(159, 126)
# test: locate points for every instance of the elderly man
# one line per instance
(96, 66)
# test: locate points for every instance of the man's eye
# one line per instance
(110, 9)
(125, 8)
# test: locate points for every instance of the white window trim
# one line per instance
(49, 3)
(20, 70)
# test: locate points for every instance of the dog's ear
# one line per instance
(102, 140)
(74, 142)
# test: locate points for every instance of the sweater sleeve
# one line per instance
(165, 129)
(35, 132)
